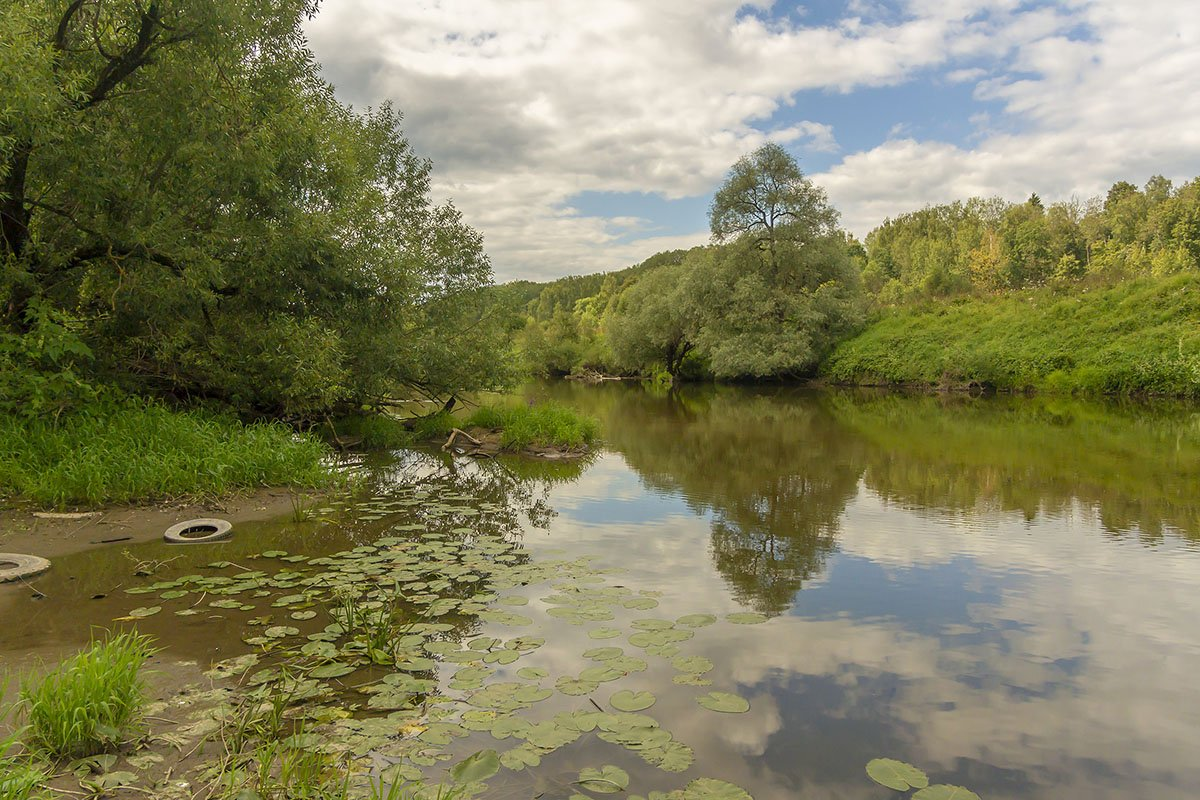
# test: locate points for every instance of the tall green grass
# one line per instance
(140, 450)
(545, 425)
(19, 776)
(86, 704)
(1142, 337)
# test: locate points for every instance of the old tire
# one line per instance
(199, 531)
(15, 566)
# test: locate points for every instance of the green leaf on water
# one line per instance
(600, 674)
(520, 757)
(532, 673)
(145, 612)
(280, 631)
(746, 618)
(575, 686)
(334, 670)
(724, 702)
(945, 791)
(711, 789)
(696, 620)
(302, 615)
(697, 665)
(602, 653)
(626, 700)
(606, 780)
(478, 767)
(653, 624)
(604, 633)
(896, 774)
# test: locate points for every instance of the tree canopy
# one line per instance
(181, 191)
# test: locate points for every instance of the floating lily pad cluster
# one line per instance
(385, 645)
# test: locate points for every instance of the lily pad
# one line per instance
(711, 789)
(945, 791)
(606, 780)
(604, 633)
(696, 620)
(575, 686)
(896, 774)
(626, 700)
(602, 653)
(746, 618)
(697, 665)
(139, 613)
(532, 673)
(724, 702)
(478, 767)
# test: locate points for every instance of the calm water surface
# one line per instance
(1003, 591)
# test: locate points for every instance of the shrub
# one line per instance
(85, 705)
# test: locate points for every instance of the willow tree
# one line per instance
(178, 180)
(787, 284)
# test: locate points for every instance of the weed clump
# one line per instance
(543, 425)
(86, 704)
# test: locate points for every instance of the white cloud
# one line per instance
(524, 103)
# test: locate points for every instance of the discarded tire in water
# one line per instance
(197, 531)
(15, 566)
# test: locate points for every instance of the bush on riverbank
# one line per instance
(1138, 337)
(137, 450)
(542, 425)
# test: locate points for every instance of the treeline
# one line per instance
(186, 210)
(767, 301)
(779, 286)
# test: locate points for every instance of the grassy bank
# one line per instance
(1139, 337)
(137, 450)
(541, 425)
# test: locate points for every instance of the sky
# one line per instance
(583, 136)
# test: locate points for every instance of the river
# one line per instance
(1002, 591)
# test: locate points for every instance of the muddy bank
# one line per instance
(53, 534)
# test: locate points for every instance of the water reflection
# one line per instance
(1000, 589)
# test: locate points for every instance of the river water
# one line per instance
(1004, 592)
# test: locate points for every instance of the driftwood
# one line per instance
(457, 433)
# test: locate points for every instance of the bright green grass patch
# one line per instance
(139, 450)
(1139, 337)
(85, 705)
(544, 425)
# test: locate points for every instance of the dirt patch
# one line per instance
(50, 534)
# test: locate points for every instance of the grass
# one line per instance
(85, 705)
(545, 425)
(1142, 337)
(19, 777)
(138, 450)
(386, 432)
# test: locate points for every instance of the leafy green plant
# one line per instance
(544, 424)
(88, 703)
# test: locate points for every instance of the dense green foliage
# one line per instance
(1095, 297)
(985, 246)
(138, 450)
(768, 299)
(540, 424)
(181, 193)
(86, 704)
(1140, 336)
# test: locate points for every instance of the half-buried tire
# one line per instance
(199, 531)
(16, 566)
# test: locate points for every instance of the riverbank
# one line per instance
(1140, 337)
(137, 451)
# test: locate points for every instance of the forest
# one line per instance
(1096, 296)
